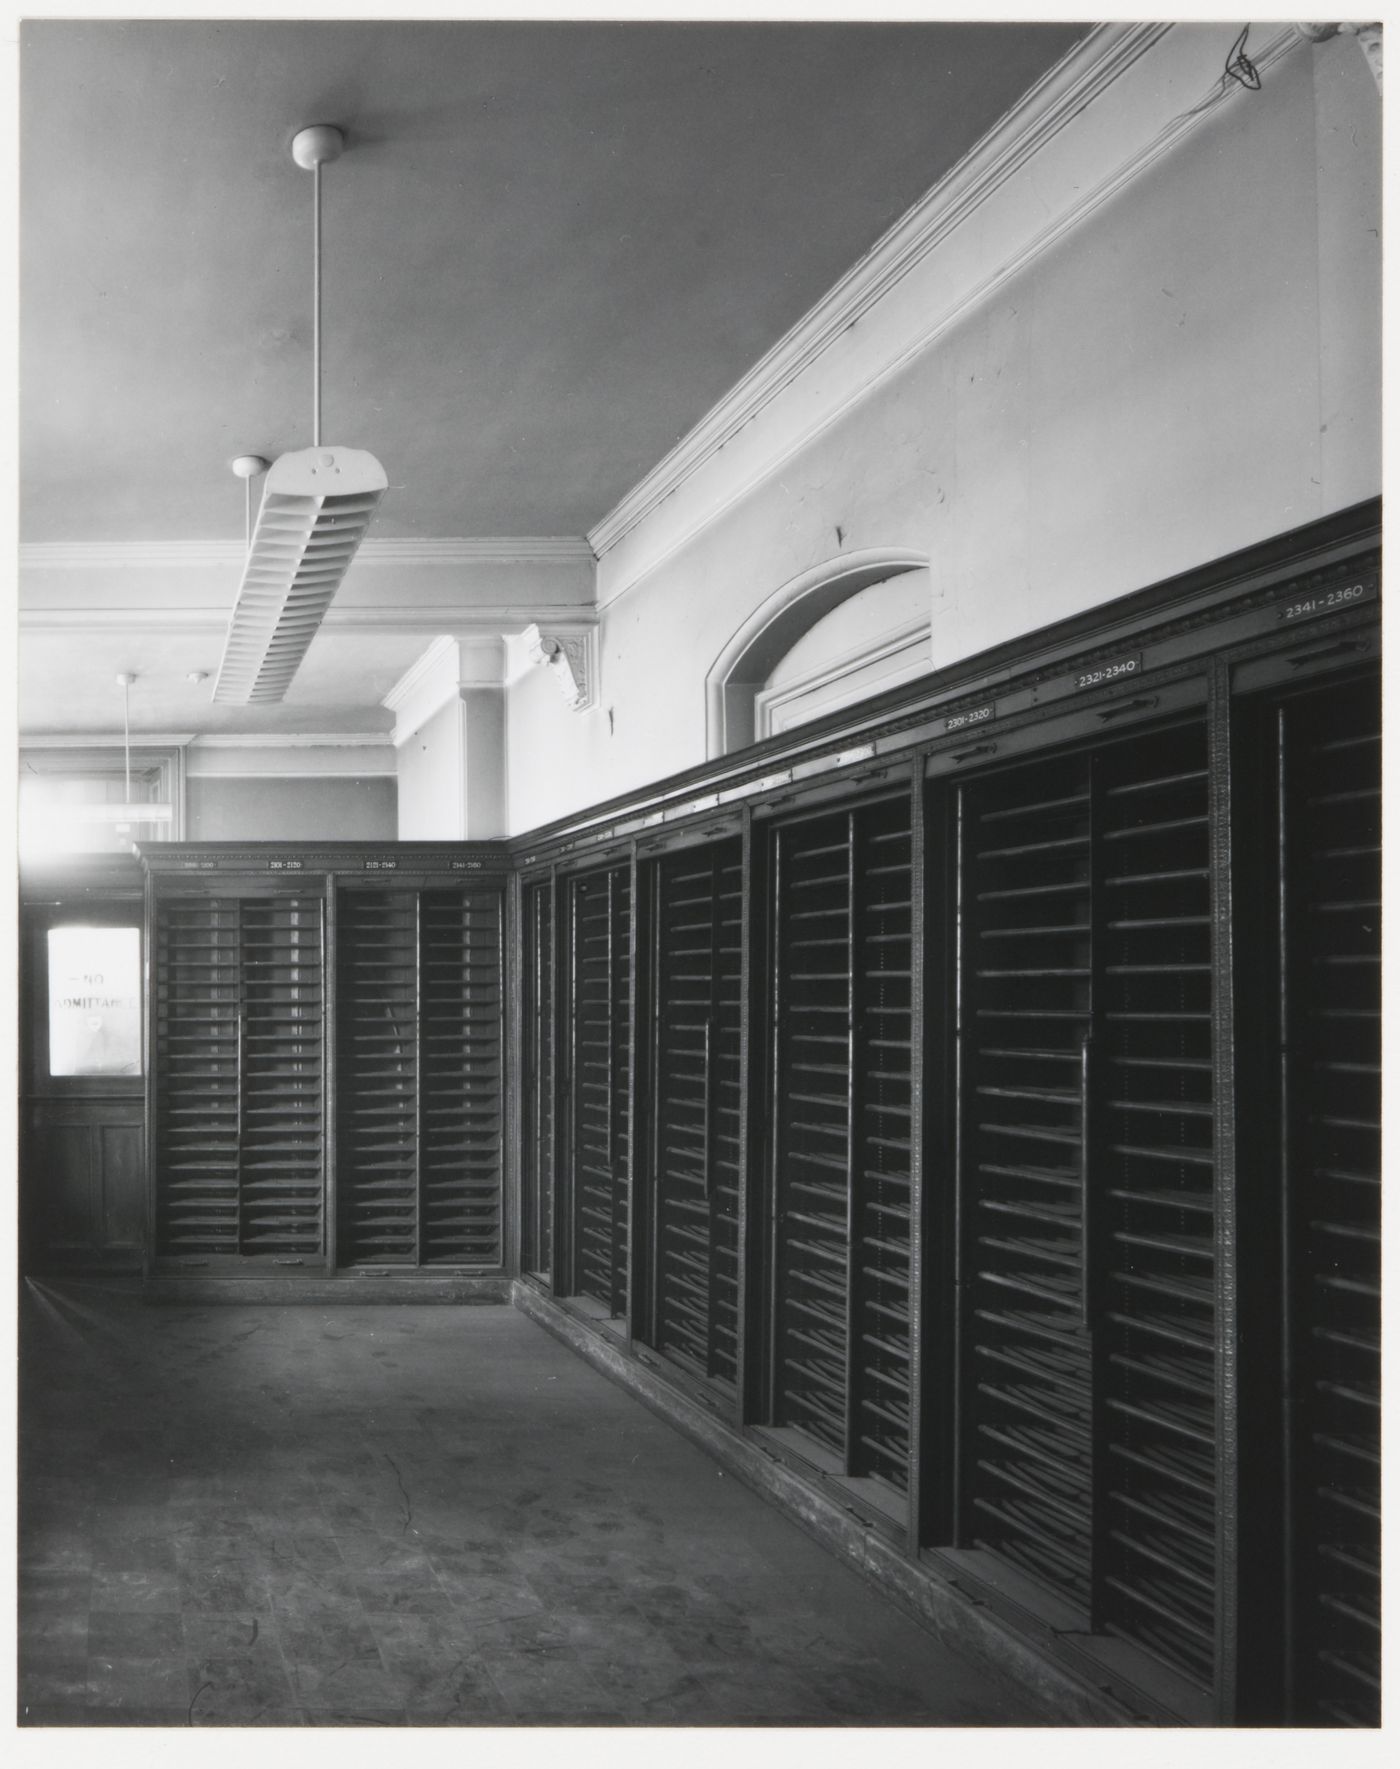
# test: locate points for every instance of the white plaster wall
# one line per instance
(483, 724)
(269, 808)
(430, 778)
(1192, 368)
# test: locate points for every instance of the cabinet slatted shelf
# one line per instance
(695, 960)
(842, 1087)
(1023, 1139)
(1086, 1048)
(1331, 819)
(238, 1028)
(599, 924)
(419, 979)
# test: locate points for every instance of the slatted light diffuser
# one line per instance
(316, 505)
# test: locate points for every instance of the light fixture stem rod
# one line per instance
(126, 734)
(247, 515)
(316, 310)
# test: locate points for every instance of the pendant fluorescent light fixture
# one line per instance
(127, 812)
(316, 505)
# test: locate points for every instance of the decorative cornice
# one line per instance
(483, 550)
(448, 668)
(1054, 101)
(185, 555)
(428, 620)
(441, 655)
(1083, 77)
(293, 740)
(101, 740)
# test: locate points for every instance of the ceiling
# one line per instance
(549, 249)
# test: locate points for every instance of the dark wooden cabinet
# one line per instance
(972, 1101)
(1086, 1134)
(1329, 751)
(840, 1144)
(538, 1079)
(1005, 1074)
(1309, 960)
(238, 1043)
(691, 1146)
(419, 1076)
(598, 1083)
(328, 1086)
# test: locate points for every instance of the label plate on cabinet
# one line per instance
(975, 715)
(1306, 607)
(1099, 675)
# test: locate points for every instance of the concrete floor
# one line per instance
(414, 1515)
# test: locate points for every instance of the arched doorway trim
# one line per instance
(776, 625)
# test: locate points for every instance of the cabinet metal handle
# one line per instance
(1128, 706)
(1341, 649)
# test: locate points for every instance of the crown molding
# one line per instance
(293, 740)
(1059, 96)
(429, 621)
(100, 740)
(185, 555)
(438, 661)
(449, 668)
(1052, 106)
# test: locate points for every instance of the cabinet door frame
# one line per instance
(1269, 713)
(164, 893)
(649, 1301)
(416, 886)
(850, 800)
(1191, 698)
(621, 999)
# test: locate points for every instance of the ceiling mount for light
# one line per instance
(316, 506)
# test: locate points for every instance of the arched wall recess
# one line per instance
(776, 625)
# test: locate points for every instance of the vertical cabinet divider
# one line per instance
(1228, 1497)
(917, 1507)
(331, 1221)
(627, 1188)
(855, 1285)
(749, 1177)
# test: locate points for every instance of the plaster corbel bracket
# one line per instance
(570, 654)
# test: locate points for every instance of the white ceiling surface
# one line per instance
(68, 684)
(549, 249)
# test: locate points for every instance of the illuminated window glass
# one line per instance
(94, 1001)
